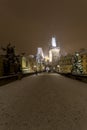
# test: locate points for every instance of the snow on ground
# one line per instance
(44, 102)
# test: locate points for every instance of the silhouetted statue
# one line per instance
(9, 50)
(10, 60)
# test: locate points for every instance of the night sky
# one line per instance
(31, 23)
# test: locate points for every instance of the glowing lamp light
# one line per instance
(53, 42)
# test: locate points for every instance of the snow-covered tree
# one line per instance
(77, 67)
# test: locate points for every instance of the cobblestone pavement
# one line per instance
(43, 102)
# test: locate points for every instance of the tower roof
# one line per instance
(53, 42)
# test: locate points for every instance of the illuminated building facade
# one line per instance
(65, 64)
(54, 52)
(40, 59)
(40, 55)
